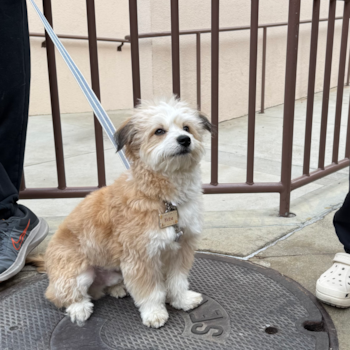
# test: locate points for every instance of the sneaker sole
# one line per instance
(36, 236)
(333, 301)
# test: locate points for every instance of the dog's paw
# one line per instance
(187, 301)
(155, 318)
(117, 291)
(80, 312)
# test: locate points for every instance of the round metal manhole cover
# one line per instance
(245, 306)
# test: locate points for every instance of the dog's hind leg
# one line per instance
(81, 310)
(115, 285)
(72, 292)
(117, 291)
(107, 281)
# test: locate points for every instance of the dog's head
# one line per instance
(165, 135)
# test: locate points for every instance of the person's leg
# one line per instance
(333, 287)
(341, 223)
(14, 100)
(8, 195)
(20, 229)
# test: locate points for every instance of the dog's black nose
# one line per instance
(184, 140)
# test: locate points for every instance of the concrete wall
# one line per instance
(155, 54)
(69, 17)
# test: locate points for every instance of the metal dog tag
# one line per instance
(168, 219)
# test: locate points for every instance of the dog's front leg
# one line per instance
(178, 294)
(145, 283)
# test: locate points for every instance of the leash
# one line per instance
(95, 104)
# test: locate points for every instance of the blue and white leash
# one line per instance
(95, 104)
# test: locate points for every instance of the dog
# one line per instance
(119, 239)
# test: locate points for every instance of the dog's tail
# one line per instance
(38, 261)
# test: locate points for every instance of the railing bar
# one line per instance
(80, 37)
(289, 104)
(319, 173)
(215, 90)
(68, 192)
(55, 108)
(347, 146)
(263, 72)
(263, 187)
(75, 192)
(326, 84)
(348, 75)
(23, 182)
(252, 89)
(95, 84)
(224, 29)
(341, 77)
(311, 85)
(135, 56)
(175, 46)
(198, 63)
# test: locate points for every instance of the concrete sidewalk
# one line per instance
(304, 256)
(246, 226)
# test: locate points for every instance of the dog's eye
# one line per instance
(186, 128)
(160, 132)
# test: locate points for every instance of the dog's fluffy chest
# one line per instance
(190, 223)
(190, 216)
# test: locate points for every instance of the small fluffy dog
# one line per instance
(113, 242)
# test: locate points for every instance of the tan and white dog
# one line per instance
(112, 241)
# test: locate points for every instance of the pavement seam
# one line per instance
(302, 226)
(305, 224)
(291, 255)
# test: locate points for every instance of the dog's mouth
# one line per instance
(182, 152)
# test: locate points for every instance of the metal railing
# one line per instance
(287, 184)
(198, 32)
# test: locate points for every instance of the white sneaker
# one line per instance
(333, 287)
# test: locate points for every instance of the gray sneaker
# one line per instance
(19, 235)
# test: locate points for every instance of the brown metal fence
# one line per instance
(287, 184)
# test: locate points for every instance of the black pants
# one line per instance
(341, 223)
(14, 99)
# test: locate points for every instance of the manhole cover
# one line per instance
(245, 307)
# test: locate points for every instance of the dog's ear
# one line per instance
(205, 122)
(124, 134)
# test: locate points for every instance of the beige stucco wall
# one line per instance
(155, 54)
(69, 17)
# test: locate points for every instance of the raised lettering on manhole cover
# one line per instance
(208, 321)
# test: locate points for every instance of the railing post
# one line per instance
(134, 46)
(341, 77)
(175, 46)
(348, 75)
(327, 83)
(311, 86)
(347, 145)
(55, 106)
(215, 90)
(263, 71)
(289, 105)
(23, 182)
(198, 64)
(95, 84)
(254, 19)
